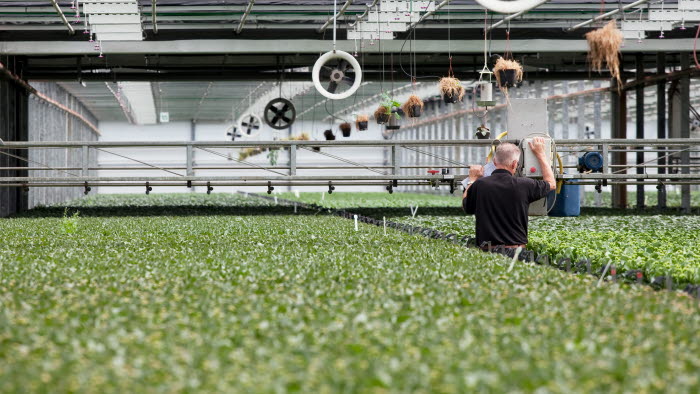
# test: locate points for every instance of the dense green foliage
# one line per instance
(261, 303)
(673, 198)
(658, 244)
(375, 199)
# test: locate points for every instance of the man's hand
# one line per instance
(538, 149)
(476, 171)
(537, 146)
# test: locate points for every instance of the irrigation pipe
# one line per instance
(607, 14)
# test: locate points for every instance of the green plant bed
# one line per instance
(374, 200)
(673, 199)
(278, 303)
(658, 244)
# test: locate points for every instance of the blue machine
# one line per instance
(568, 200)
(590, 162)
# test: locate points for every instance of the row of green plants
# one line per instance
(261, 302)
(660, 245)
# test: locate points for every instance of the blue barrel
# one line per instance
(568, 201)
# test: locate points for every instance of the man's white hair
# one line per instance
(506, 154)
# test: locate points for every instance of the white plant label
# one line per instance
(355, 216)
(414, 211)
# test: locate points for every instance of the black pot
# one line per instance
(393, 124)
(449, 99)
(415, 111)
(346, 132)
(329, 135)
(362, 126)
(383, 118)
(507, 78)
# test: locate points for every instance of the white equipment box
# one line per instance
(531, 166)
(525, 117)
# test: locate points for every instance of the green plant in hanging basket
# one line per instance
(389, 103)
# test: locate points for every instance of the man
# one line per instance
(500, 202)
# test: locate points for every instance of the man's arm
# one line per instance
(537, 148)
(468, 199)
(475, 172)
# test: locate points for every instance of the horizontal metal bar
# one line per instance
(352, 143)
(317, 178)
(308, 46)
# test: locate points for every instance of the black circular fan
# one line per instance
(280, 113)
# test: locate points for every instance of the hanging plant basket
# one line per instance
(381, 115)
(394, 119)
(508, 73)
(329, 135)
(361, 122)
(345, 128)
(451, 90)
(604, 47)
(413, 107)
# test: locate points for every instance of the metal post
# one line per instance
(190, 151)
(86, 160)
(618, 119)
(293, 160)
(639, 60)
(597, 129)
(565, 122)
(395, 161)
(661, 125)
(190, 172)
(685, 129)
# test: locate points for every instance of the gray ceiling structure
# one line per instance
(204, 57)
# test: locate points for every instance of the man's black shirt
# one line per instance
(500, 203)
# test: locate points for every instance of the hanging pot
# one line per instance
(362, 126)
(393, 123)
(415, 111)
(507, 78)
(345, 128)
(329, 135)
(382, 118)
(449, 99)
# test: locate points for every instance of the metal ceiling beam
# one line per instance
(63, 17)
(245, 16)
(335, 17)
(307, 46)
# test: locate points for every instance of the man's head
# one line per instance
(506, 157)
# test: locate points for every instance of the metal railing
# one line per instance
(680, 169)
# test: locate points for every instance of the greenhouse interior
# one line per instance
(369, 196)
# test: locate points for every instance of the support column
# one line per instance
(640, 124)
(685, 130)
(13, 127)
(661, 126)
(618, 119)
(597, 129)
(190, 155)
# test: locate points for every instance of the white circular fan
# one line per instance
(249, 125)
(509, 7)
(340, 72)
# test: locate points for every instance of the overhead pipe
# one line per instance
(428, 14)
(153, 16)
(513, 16)
(63, 17)
(369, 7)
(245, 16)
(335, 17)
(607, 14)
